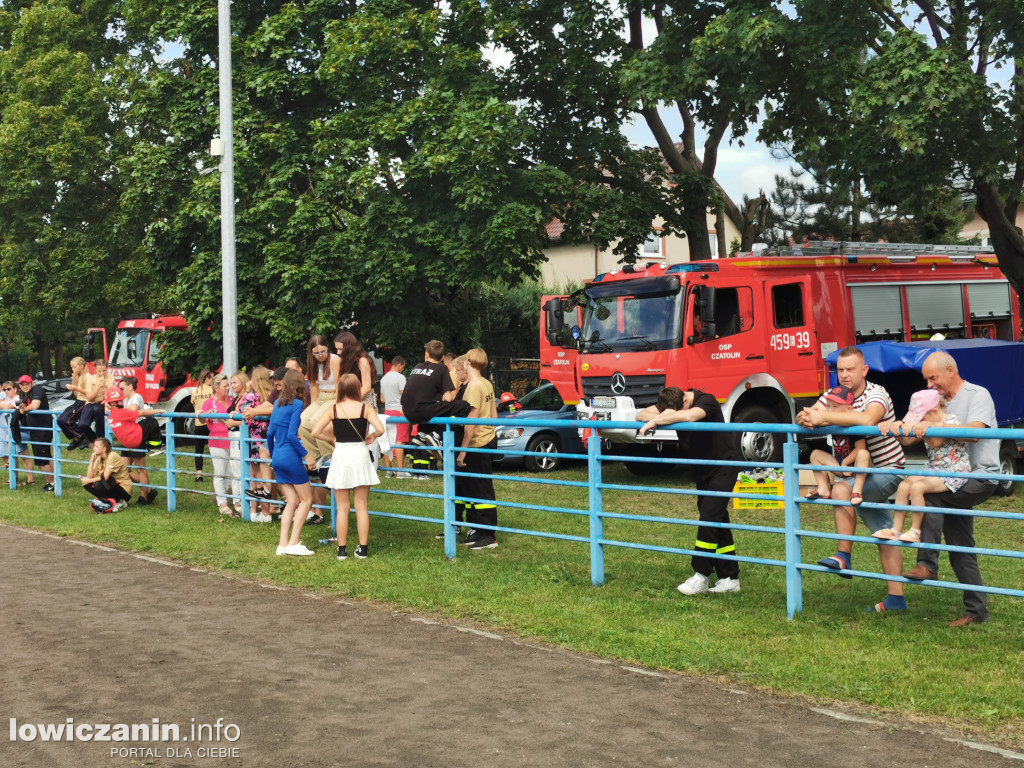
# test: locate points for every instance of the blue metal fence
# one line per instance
(791, 531)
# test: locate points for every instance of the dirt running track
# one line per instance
(106, 637)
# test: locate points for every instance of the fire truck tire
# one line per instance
(758, 446)
(187, 425)
(544, 445)
(1007, 466)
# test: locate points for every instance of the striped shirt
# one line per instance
(885, 450)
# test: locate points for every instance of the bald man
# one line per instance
(972, 405)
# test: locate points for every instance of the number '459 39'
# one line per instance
(784, 341)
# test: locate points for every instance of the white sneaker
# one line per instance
(259, 518)
(300, 550)
(726, 585)
(389, 473)
(402, 475)
(694, 585)
(281, 550)
(119, 506)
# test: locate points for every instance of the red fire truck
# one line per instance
(136, 352)
(755, 330)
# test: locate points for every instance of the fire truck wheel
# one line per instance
(1007, 466)
(758, 446)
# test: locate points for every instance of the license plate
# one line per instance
(602, 402)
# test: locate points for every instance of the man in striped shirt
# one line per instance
(871, 405)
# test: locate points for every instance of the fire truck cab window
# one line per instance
(788, 305)
(733, 311)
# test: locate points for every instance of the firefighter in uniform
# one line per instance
(676, 406)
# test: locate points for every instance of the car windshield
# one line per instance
(543, 398)
(632, 315)
(129, 348)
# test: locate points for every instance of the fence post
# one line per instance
(791, 485)
(172, 466)
(596, 510)
(12, 461)
(55, 433)
(243, 459)
(448, 466)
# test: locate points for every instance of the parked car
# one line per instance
(544, 402)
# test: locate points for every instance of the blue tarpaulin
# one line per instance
(996, 365)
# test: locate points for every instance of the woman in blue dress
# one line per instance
(287, 456)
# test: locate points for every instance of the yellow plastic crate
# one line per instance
(771, 488)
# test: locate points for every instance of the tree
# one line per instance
(807, 205)
(916, 95)
(69, 257)
(383, 171)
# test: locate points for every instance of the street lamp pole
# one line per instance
(229, 288)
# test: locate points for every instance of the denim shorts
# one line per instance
(877, 490)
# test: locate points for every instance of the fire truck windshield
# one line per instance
(633, 315)
(129, 348)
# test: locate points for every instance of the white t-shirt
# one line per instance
(391, 387)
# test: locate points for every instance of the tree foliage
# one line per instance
(808, 205)
(384, 170)
(912, 96)
(69, 258)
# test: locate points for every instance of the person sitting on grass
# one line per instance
(846, 451)
(139, 433)
(107, 478)
(927, 408)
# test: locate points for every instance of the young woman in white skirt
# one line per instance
(345, 424)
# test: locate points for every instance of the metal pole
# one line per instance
(227, 192)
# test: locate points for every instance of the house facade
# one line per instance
(575, 263)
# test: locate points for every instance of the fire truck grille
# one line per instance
(643, 389)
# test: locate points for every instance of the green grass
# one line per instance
(910, 664)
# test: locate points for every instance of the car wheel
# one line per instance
(544, 445)
(1007, 466)
(758, 446)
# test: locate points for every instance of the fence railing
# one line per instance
(791, 531)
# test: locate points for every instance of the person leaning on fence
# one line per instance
(944, 454)
(676, 406)
(429, 393)
(974, 409)
(139, 433)
(845, 451)
(201, 433)
(479, 393)
(37, 429)
(8, 402)
(107, 478)
(96, 386)
(871, 405)
(132, 399)
(224, 451)
(68, 421)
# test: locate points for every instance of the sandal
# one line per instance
(836, 563)
(856, 498)
(814, 496)
(224, 509)
(886, 533)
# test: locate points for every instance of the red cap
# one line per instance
(26, 379)
(113, 395)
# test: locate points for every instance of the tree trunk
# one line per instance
(755, 219)
(1007, 238)
(700, 245)
(855, 233)
(42, 347)
(723, 246)
(58, 358)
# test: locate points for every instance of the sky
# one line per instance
(741, 171)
